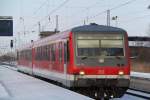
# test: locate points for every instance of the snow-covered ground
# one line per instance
(140, 81)
(140, 75)
(18, 86)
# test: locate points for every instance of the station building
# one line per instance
(140, 53)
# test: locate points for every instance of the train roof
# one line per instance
(97, 28)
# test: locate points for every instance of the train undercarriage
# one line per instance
(101, 93)
(102, 89)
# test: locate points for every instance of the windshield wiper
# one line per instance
(83, 58)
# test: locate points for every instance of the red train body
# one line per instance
(90, 57)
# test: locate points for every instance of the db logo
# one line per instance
(101, 71)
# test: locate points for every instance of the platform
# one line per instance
(140, 75)
(140, 81)
(18, 86)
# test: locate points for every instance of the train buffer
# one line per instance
(18, 86)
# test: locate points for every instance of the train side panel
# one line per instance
(55, 66)
(25, 60)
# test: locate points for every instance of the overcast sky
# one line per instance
(133, 15)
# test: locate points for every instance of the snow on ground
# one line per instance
(140, 75)
(18, 86)
(3, 92)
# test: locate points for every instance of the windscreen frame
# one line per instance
(100, 34)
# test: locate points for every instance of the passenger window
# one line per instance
(60, 52)
(66, 52)
(53, 52)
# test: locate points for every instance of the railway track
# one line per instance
(138, 93)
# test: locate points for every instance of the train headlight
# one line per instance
(82, 73)
(121, 73)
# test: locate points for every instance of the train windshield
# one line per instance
(100, 45)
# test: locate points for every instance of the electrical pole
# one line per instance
(56, 29)
(39, 26)
(108, 17)
(84, 22)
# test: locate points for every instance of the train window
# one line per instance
(44, 53)
(41, 52)
(27, 55)
(88, 47)
(88, 43)
(108, 45)
(47, 52)
(50, 46)
(30, 54)
(17, 56)
(111, 43)
(60, 52)
(99, 36)
(29, 58)
(66, 52)
(36, 53)
(21, 55)
(53, 52)
(112, 47)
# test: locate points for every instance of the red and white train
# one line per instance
(92, 58)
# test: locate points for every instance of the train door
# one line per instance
(65, 54)
(60, 58)
(32, 59)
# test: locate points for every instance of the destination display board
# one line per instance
(6, 26)
(139, 43)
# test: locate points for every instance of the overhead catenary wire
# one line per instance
(113, 8)
(123, 4)
(51, 12)
(38, 9)
(90, 17)
(54, 10)
(136, 18)
(104, 11)
(41, 6)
